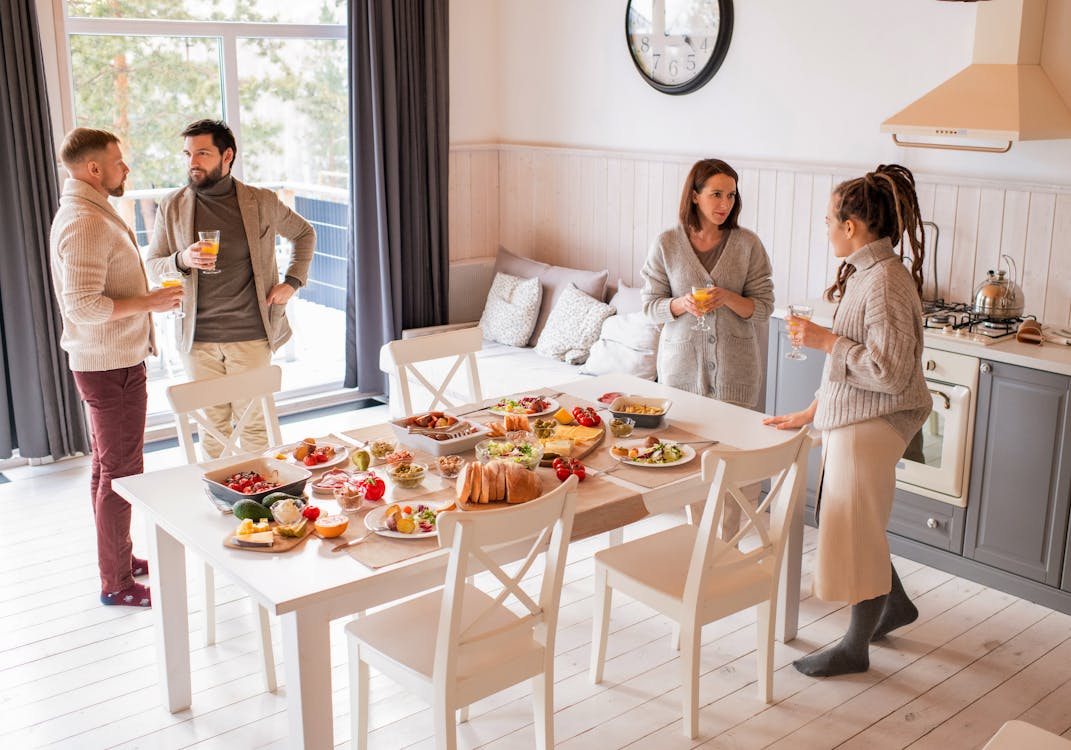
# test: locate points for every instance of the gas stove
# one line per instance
(958, 320)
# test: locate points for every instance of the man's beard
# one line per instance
(118, 190)
(210, 179)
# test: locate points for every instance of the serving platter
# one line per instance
(687, 451)
(279, 543)
(552, 406)
(342, 452)
(376, 519)
(585, 449)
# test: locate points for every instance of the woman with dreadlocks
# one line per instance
(872, 400)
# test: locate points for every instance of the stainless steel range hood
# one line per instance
(1018, 87)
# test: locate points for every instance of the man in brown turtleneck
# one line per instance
(235, 318)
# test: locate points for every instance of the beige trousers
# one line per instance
(207, 360)
(858, 482)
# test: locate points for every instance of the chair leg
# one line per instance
(358, 697)
(615, 537)
(690, 634)
(600, 623)
(443, 719)
(764, 650)
(210, 606)
(543, 708)
(267, 653)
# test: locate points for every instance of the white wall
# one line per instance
(804, 81)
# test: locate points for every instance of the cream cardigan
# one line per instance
(95, 260)
(723, 363)
(875, 368)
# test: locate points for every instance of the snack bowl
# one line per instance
(622, 427)
(291, 479)
(349, 497)
(286, 512)
(380, 448)
(451, 465)
(407, 476)
(520, 447)
(544, 428)
(647, 412)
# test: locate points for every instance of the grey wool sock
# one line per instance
(898, 610)
(852, 654)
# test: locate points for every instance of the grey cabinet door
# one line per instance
(790, 386)
(1017, 507)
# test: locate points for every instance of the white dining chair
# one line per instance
(698, 578)
(188, 402)
(423, 360)
(458, 644)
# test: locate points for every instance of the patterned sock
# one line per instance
(134, 595)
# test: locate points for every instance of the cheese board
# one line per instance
(278, 543)
(590, 439)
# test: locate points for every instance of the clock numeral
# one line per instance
(657, 56)
(689, 64)
(673, 68)
(645, 44)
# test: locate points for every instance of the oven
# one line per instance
(937, 462)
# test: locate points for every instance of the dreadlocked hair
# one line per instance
(885, 202)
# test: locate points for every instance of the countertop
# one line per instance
(1049, 357)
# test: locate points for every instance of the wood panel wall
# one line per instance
(599, 209)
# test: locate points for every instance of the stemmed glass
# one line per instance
(803, 312)
(702, 295)
(169, 280)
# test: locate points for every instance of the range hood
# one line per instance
(1018, 87)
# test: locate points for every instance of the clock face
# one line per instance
(678, 45)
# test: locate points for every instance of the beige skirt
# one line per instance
(858, 482)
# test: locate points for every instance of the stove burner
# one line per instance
(1000, 325)
(959, 319)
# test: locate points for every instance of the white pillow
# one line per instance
(628, 344)
(572, 326)
(628, 299)
(511, 309)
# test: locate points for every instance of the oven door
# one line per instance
(934, 460)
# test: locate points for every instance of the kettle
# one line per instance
(997, 297)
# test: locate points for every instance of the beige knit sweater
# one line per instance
(875, 368)
(95, 260)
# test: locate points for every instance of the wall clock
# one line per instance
(678, 45)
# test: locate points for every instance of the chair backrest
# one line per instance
(189, 400)
(472, 536)
(406, 359)
(729, 472)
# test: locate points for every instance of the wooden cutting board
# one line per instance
(280, 544)
(584, 449)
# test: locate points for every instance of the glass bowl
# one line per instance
(450, 466)
(286, 512)
(349, 497)
(408, 476)
(544, 428)
(523, 448)
(380, 448)
(622, 427)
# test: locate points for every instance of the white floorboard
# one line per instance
(75, 674)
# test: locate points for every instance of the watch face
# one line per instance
(678, 45)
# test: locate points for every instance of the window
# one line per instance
(276, 71)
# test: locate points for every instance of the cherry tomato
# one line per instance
(321, 458)
(577, 411)
(310, 460)
(311, 512)
(558, 463)
(579, 471)
(562, 472)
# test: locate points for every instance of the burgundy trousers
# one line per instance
(117, 400)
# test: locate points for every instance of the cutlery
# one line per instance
(474, 411)
(352, 542)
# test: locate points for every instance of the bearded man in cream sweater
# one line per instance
(106, 306)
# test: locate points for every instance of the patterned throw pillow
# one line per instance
(511, 310)
(573, 326)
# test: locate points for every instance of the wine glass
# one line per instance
(209, 244)
(170, 280)
(702, 295)
(803, 312)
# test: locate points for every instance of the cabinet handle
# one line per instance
(986, 368)
(931, 523)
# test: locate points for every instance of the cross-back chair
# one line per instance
(189, 401)
(415, 359)
(458, 644)
(700, 578)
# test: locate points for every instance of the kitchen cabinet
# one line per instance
(790, 386)
(1020, 488)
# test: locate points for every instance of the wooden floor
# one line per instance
(76, 674)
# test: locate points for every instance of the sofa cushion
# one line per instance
(628, 343)
(511, 309)
(554, 279)
(627, 299)
(573, 326)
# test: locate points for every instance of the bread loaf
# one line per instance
(517, 422)
(521, 485)
(497, 481)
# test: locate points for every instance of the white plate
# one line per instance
(549, 410)
(342, 452)
(687, 450)
(378, 517)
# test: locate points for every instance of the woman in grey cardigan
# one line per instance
(872, 400)
(709, 249)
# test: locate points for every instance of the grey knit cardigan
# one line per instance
(723, 363)
(875, 368)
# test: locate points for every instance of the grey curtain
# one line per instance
(40, 411)
(399, 146)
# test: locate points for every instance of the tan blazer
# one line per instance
(264, 216)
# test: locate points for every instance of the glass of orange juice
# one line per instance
(702, 295)
(172, 280)
(209, 244)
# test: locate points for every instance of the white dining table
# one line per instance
(310, 586)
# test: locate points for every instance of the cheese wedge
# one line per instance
(563, 415)
(259, 539)
(578, 434)
(558, 447)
